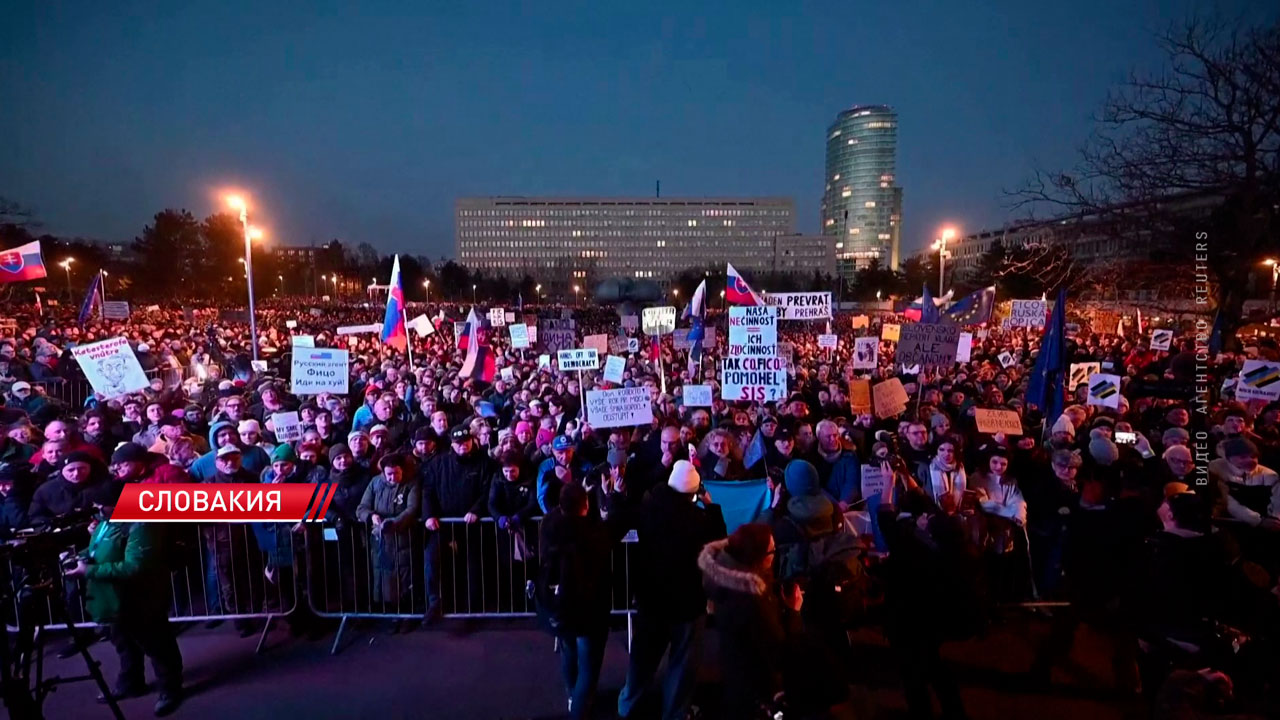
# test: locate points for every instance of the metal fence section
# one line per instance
(238, 572)
(75, 393)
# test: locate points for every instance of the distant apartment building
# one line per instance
(592, 238)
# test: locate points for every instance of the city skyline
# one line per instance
(376, 141)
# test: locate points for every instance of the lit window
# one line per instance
(884, 236)
(870, 203)
(839, 246)
(831, 221)
(884, 184)
(836, 176)
(854, 231)
(853, 141)
(845, 192)
(693, 223)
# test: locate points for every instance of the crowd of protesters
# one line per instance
(1157, 523)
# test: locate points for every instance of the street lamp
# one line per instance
(426, 288)
(722, 300)
(250, 234)
(941, 246)
(281, 277)
(538, 289)
(675, 292)
(104, 275)
(66, 265)
(473, 293)
(576, 289)
(1275, 275)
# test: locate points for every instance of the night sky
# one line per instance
(363, 121)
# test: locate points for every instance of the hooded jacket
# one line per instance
(253, 458)
(672, 530)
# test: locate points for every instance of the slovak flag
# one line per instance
(479, 363)
(22, 263)
(394, 332)
(738, 291)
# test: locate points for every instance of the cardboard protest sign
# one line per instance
(317, 370)
(997, 421)
(497, 318)
(1105, 321)
(555, 340)
(874, 480)
(111, 367)
(115, 310)
(519, 335)
(286, 426)
(1104, 390)
(928, 344)
(860, 397)
(827, 341)
(861, 321)
(1080, 373)
(1259, 380)
(613, 368)
(890, 331)
(697, 396)
(1161, 339)
(316, 312)
(578, 359)
(753, 331)
(866, 353)
(964, 347)
(757, 379)
(303, 341)
(1005, 359)
(889, 398)
(621, 407)
(802, 305)
(599, 343)
(658, 320)
(1028, 313)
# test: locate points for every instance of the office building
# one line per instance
(564, 240)
(861, 201)
(804, 255)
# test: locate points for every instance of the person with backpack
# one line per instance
(574, 591)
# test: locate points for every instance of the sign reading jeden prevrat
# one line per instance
(317, 370)
(753, 331)
(802, 306)
(756, 379)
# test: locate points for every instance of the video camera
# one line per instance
(39, 556)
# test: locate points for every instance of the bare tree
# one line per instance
(1207, 125)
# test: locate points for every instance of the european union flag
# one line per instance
(1044, 385)
(972, 309)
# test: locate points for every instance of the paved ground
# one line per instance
(508, 671)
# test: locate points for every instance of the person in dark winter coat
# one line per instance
(81, 483)
(575, 590)
(512, 504)
(673, 524)
(228, 551)
(349, 563)
(390, 505)
(457, 485)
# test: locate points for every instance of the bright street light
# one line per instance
(473, 294)
(66, 265)
(940, 245)
(426, 287)
(1275, 275)
(240, 205)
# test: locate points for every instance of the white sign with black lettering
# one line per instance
(866, 353)
(754, 379)
(658, 320)
(827, 341)
(1161, 339)
(497, 318)
(964, 348)
(578, 359)
(753, 331)
(801, 306)
(621, 407)
(317, 370)
(286, 426)
(304, 341)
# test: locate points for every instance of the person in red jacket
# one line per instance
(133, 463)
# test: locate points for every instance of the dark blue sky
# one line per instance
(364, 121)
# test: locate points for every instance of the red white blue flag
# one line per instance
(738, 291)
(479, 363)
(22, 263)
(393, 329)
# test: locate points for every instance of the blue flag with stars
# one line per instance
(972, 309)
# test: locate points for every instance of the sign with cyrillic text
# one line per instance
(317, 370)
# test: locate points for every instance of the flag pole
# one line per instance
(408, 339)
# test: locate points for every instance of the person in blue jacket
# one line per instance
(839, 469)
(555, 472)
(254, 459)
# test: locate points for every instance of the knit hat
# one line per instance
(129, 452)
(749, 544)
(684, 477)
(1063, 424)
(338, 451)
(250, 425)
(801, 478)
(1104, 451)
(424, 434)
(79, 456)
(379, 429)
(1173, 435)
(1238, 446)
(283, 453)
(523, 425)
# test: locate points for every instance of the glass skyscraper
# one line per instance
(862, 203)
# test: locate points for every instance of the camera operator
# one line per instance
(80, 483)
(127, 587)
(16, 486)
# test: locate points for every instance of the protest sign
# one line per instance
(317, 370)
(358, 329)
(801, 306)
(621, 407)
(316, 312)
(304, 341)
(533, 332)
(1161, 339)
(630, 322)
(753, 331)
(890, 331)
(787, 351)
(290, 324)
(111, 367)
(555, 340)
(861, 321)
(860, 397)
(889, 398)
(578, 359)
(507, 374)
(827, 341)
(680, 339)
(1028, 313)
(874, 480)
(697, 396)
(509, 317)
(1259, 380)
(115, 310)
(982, 333)
(613, 367)
(1104, 390)
(1105, 321)
(422, 325)
(1005, 359)
(497, 318)
(286, 426)
(997, 421)
(866, 353)
(928, 344)
(633, 345)
(544, 361)
(658, 320)
(1080, 373)
(618, 344)
(756, 379)
(519, 335)
(566, 314)
(964, 347)
(599, 343)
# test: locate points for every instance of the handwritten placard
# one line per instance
(997, 421)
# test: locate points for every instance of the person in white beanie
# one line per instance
(250, 433)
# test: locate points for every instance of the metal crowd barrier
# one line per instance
(236, 572)
(476, 570)
(74, 393)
